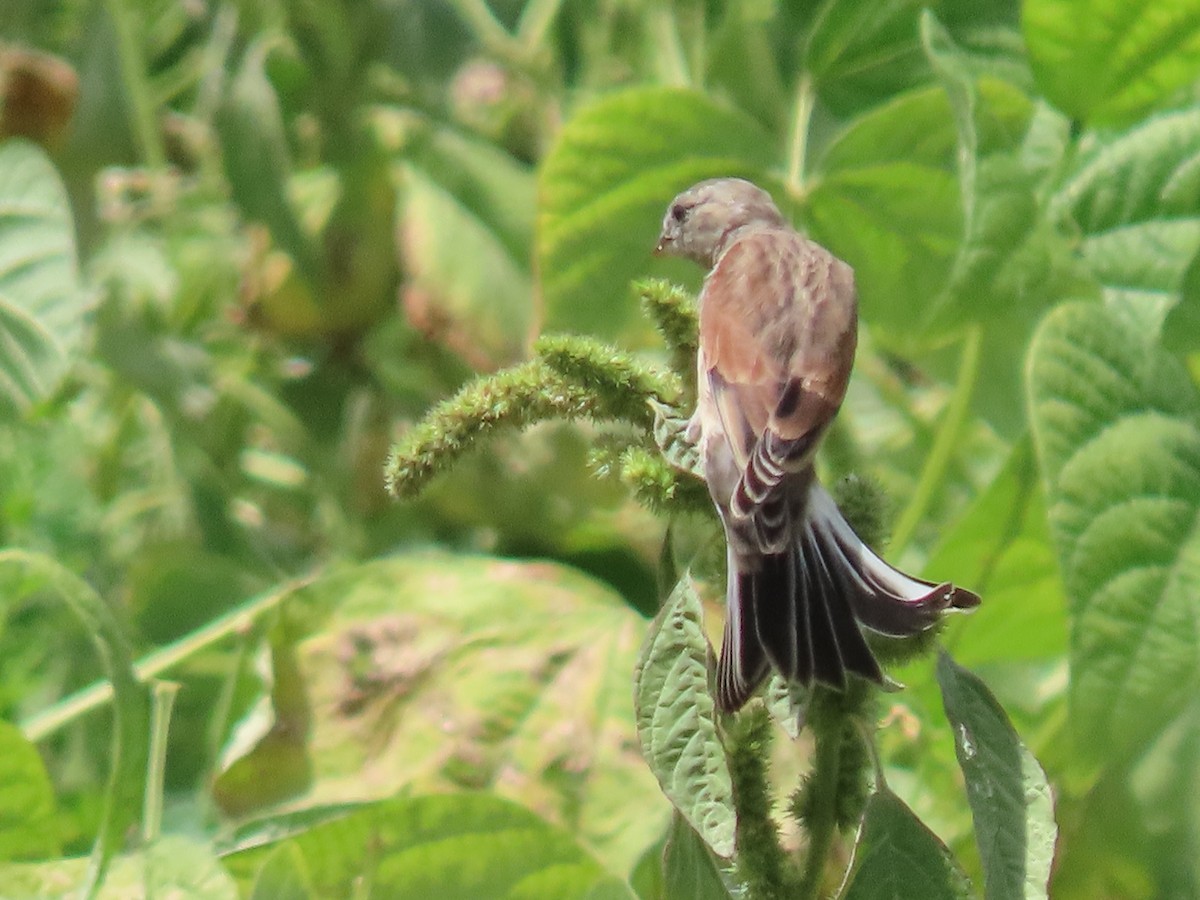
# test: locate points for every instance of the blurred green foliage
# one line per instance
(245, 247)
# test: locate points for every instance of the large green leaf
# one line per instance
(1133, 201)
(886, 200)
(1007, 789)
(42, 305)
(441, 672)
(1110, 61)
(1001, 548)
(1115, 424)
(464, 846)
(676, 720)
(858, 50)
(898, 858)
(604, 187)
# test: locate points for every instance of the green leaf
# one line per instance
(438, 672)
(898, 858)
(605, 184)
(1007, 789)
(284, 876)
(1132, 200)
(860, 50)
(1001, 549)
(255, 153)
(174, 867)
(1181, 329)
(27, 825)
(1115, 425)
(24, 574)
(42, 305)
(1111, 61)
(950, 64)
(463, 285)
(885, 199)
(676, 720)
(689, 869)
(452, 846)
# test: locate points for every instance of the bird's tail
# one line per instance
(801, 611)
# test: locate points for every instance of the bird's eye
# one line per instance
(679, 212)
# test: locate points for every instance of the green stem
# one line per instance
(945, 443)
(160, 722)
(798, 144)
(822, 808)
(49, 721)
(137, 86)
(536, 19)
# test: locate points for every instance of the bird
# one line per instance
(778, 329)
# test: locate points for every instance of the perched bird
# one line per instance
(778, 329)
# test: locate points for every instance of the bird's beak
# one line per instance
(663, 243)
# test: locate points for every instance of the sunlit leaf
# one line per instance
(440, 672)
(453, 846)
(1001, 549)
(463, 285)
(1109, 61)
(1007, 789)
(1133, 201)
(27, 826)
(1115, 424)
(42, 305)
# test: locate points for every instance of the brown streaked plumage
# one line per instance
(778, 329)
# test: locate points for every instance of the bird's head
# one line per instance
(700, 221)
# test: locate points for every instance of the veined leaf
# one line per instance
(605, 185)
(42, 305)
(1133, 200)
(676, 720)
(450, 846)
(436, 672)
(1110, 61)
(1116, 426)
(1007, 789)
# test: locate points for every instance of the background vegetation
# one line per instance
(244, 246)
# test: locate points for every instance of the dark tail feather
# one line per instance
(742, 666)
(883, 598)
(801, 611)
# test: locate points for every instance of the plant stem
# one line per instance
(822, 809)
(945, 443)
(49, 721)
(160, 722)
(798, 144)
(137, 86)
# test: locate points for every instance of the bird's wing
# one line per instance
(778, 323)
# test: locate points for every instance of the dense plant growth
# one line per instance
(256, 256)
